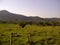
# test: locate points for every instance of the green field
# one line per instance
(29, 35)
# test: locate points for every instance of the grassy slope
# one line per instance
(38, 33)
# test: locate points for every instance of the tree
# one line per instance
(42, 23)
(49, 23)
(22, 24)
(30, 22)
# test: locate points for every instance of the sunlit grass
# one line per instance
(37, 33)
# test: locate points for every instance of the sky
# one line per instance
(41, 8)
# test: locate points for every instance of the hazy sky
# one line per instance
(42, 8)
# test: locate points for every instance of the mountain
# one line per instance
(52, 19)
(5, 15)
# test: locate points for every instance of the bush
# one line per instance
(22, 24)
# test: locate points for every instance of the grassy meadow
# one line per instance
(13, 34)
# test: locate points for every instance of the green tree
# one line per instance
(22, 24)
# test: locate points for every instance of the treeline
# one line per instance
(39, 23)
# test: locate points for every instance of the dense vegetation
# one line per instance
(39, 23)
(29, 33)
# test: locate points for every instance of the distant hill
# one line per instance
(52, 19)
(5, 15)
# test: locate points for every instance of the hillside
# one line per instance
(6, 15)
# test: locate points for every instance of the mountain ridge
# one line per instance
(6, 15)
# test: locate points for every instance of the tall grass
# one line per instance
(29, 35)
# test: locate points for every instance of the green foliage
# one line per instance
(0, 42)
(30, 22)
(29, 35)
(22, 24)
